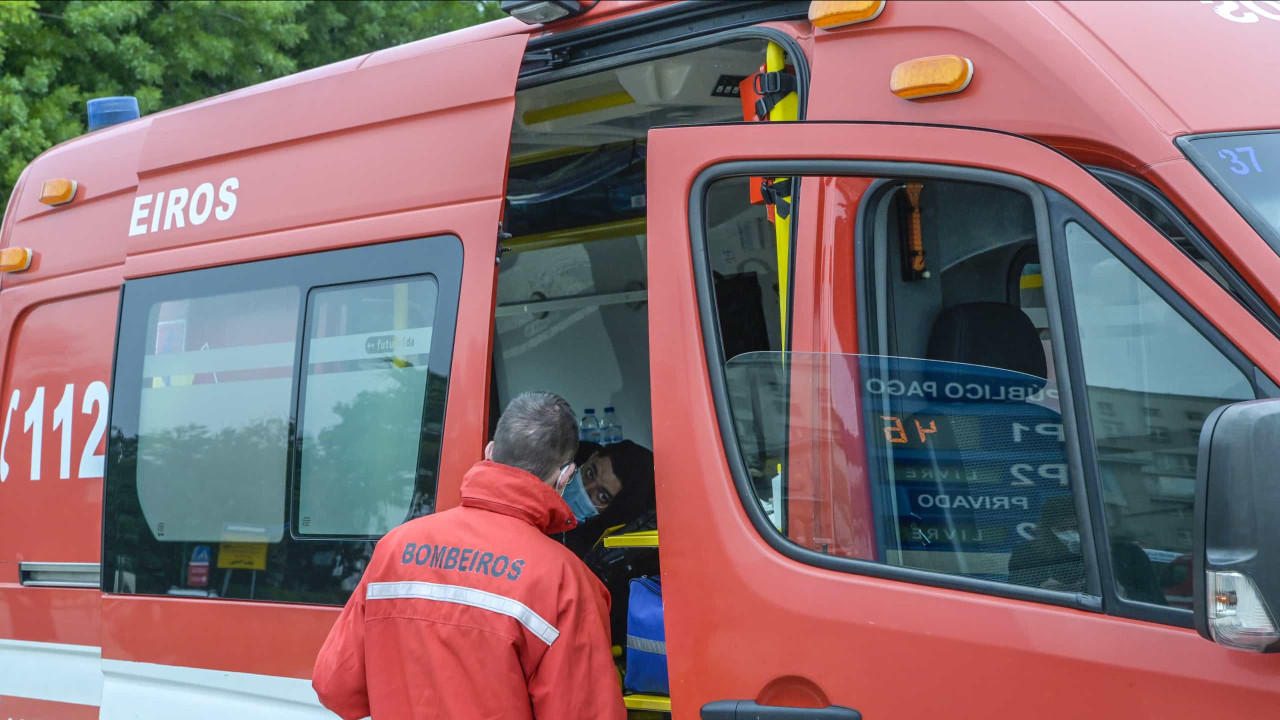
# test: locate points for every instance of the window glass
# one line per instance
(742, 242)
(1170, 229)
(1031, 300)
(1152, 378)
(743, 256)
(361, 418)
(1245, 164)
(964, 465)
(202, 474)
(271, 419)
(944, 450)
(1031, 287)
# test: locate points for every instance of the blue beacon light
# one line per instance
(107, 111)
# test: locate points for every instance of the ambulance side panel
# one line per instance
(405, 144)
(59, 320)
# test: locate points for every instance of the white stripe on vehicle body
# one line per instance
(460, 595)
(57, 672)
(148, 691)
(51, 671)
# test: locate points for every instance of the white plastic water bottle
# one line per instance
(610, 428)
(589, 427)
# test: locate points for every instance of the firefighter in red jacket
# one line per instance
(474, 612)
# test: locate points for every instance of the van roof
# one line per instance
(1190, 60)
(111, 159)
(1149, 54)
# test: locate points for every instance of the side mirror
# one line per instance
(1236, 563)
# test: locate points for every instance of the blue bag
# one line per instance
(646, 639)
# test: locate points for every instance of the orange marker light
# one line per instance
(828, 14)
(58, 191)
(929, 76)
(15, 259)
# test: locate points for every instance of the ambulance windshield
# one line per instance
(1245, 168)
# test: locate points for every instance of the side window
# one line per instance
(942, 447)
(1028, 294)
(214, 401)
(211, 489)
(1152, 378)
(361, 426)
(1167, 226)
(745, 267)
(1164, 216)
(748, 287)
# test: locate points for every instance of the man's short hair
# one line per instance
(538, 433)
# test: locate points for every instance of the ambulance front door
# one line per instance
(930, 454)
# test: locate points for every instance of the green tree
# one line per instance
(55, 55)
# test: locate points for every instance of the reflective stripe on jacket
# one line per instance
(474, 613)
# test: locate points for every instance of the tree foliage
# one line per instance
(55, 55)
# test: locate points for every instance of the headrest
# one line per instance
(994, 334)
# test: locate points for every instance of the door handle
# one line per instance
(751, 710)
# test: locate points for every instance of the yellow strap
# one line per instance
(787, 109)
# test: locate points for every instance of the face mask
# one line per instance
(1071, 538)
(575, 493)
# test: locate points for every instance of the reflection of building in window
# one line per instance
(1149, 470)
(362, 411)
(1164, 487)
(1176, 463)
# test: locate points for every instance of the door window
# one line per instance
(1152, 379)
(749, 300)
(942, 448)
(211, 490)
(1164, 216)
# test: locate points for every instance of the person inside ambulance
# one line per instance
(597, 482)
(631, 509)
(475, 612)
(622, 477)
(614, 486)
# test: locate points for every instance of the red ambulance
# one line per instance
(954, 329)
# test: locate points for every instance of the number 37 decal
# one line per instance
(1245, 11)
(93, 402)
(1236, 158)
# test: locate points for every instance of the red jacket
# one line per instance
(475, 613)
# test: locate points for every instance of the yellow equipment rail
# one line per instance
(661, 703)
(644, 538)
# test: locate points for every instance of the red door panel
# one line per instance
(55, 400)
(745, 622)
